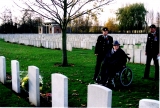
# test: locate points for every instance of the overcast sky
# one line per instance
(108, 10)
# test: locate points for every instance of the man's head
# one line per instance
(152, 28)
(116, 45)
(105, 30)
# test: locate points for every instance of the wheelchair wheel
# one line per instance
(126, 77)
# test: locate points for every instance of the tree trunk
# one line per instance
(64, 36)
(64, 48)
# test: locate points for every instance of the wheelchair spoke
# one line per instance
(126, 77)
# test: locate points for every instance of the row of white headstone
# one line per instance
(125, 38)
(97, 96)
(137, 53)
(59, 87)
(85, 41)
(137, 56)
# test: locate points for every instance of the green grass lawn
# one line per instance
(79, 75)
(9, 99)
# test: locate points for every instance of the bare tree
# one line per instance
(6, 16)
(7, 22)
(64, 11)
(158, 19)
(151, 16)
(147, 22)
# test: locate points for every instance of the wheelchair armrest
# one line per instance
(127, 54)
(129, 58)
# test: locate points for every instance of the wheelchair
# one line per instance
(123, 77)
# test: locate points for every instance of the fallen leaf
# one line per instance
(83, 105)
(75, 94)
(79, 99)
(129, 104)
(121, 96)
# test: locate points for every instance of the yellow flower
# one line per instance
(25, 79)
(24, 83)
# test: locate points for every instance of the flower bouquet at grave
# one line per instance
(24, 81)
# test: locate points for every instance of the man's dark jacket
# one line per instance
(152, 45)
(103, 45)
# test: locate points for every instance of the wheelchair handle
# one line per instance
(129, 59)
(127, 54)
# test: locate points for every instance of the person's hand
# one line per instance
(96, 54)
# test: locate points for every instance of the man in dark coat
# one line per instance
(103, 44)
(114, 61)
(152, 51)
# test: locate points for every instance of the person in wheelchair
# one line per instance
(114, 61)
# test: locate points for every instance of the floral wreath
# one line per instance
(24, 81)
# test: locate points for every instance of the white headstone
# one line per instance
(125, 46)
(125, 50)
(15, 76)
(99, 96)
(148, 103)
(137, 55)
(59, 90)
(130, 46)
(2, 69)
(47, 44)
(143, 57)
(135, 47)
(69, 47)
(34, 90)
(142, 46)
(152, 62)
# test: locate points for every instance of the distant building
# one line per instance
(49, 28)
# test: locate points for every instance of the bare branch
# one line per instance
(58, 16)
(74, 16)
(43, 6)
(54, 9)
(81, 7)
(58, 4)
(71, 5)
